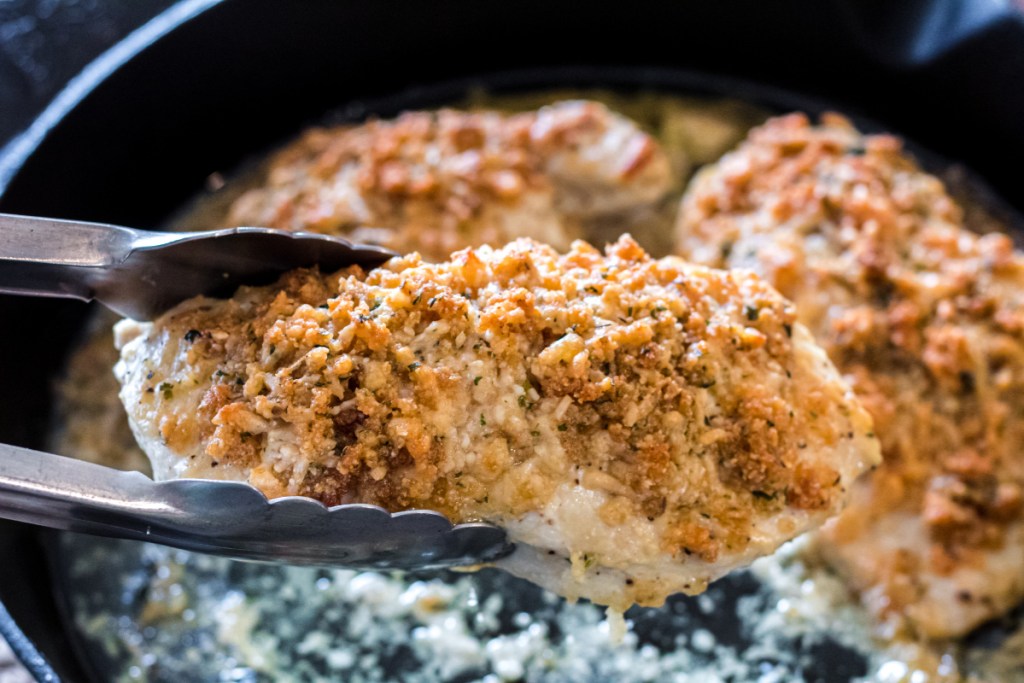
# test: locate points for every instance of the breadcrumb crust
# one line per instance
(690, 399)
(925, 318)
(437, 181)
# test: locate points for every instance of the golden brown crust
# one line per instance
(923, 315)
(438, 181)
(478, 386)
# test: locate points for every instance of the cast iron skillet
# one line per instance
(209, 82)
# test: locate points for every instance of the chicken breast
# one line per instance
(438, 181)
(639, 426)
(925, 319)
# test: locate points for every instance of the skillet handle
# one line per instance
(57, 258)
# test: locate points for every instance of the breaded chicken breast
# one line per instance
(639, 426)
(437, 181)
(926, 320)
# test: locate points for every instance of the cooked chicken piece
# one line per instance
(605, 154)
(434, 182)
(926, 320)
(639, 426)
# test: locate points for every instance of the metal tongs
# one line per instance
(141, 274)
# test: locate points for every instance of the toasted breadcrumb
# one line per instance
(438, 181)
(640, 426)
(925, 319)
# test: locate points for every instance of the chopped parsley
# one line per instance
(166, 390)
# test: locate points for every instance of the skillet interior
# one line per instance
(655, 626)
(144, 139)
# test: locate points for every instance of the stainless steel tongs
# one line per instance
(141, 274)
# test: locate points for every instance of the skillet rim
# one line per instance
(23, 145)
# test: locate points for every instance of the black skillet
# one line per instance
(208, 83)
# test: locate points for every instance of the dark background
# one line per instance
(44, 43)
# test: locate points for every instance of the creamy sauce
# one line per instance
(188, 617)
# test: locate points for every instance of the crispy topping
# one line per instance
(438, 181)
(923, 315)
(686, 398)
